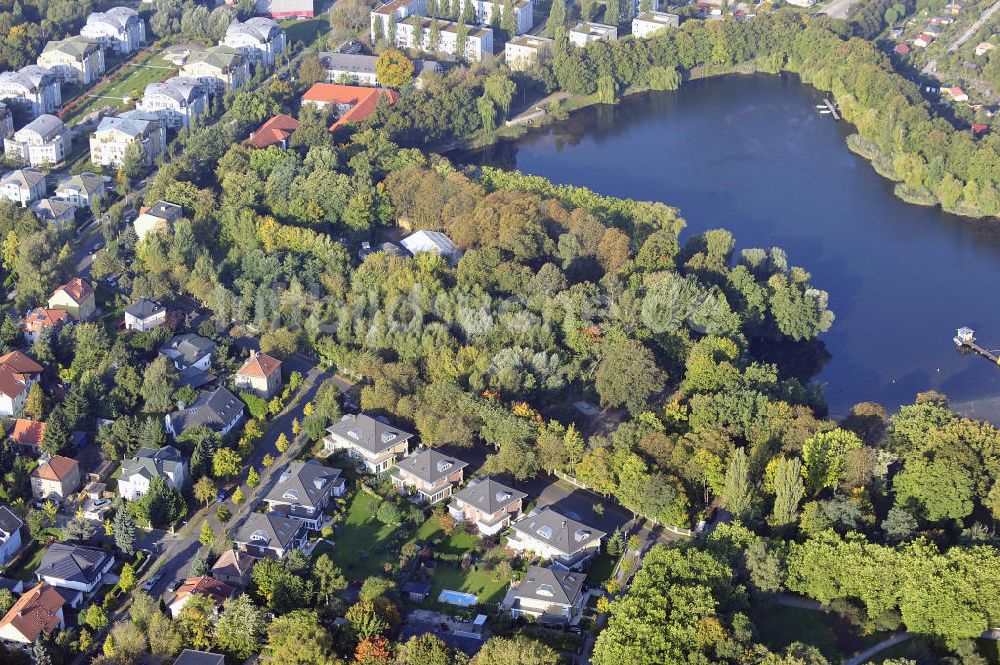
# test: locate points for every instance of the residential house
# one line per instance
(44, 140)
(177, 101)
(147, 464)
(82, 189)
(110, 143)
(220, 68)
(54, 211)
(10, 535)
(119, 29)
(270, 535)
(280, 9)
(303, 492)
(158, 217)
(428, 475)
(33, 88)
(550, 535)
(434, 242)
(983, 48)
(353, 103)
(276, 131)
(192, 358)
(192, 657)
(259, 38)
(145, 314)
(55, 478)
(648, 24)
(375, 444)
(28, 435)
(478, 41)
(524, 51)
(75, 59)
(6, 121)
(260, 375)
(585, 32)
(349, 68)
(75, 570)
(488, 504)
(901, 49)
(38, 611)
(17, 374)
(23, 186)
(219, 411)
(923, 40)
(40, 319)
(218, 592)
(75, 297)
(234, 568)
(956, 94)
(548, 595)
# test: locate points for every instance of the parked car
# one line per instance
(154, 578)
(173, 586)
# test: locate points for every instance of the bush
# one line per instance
(255, 405)
(223, 513)
(326, 531)
(388, 513)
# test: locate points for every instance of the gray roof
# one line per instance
(350, 62)
(149, 463)
(52, 208)
(185, 350)
(430, 465)
(76, 46)
(73, 563)
(46, 125)
(128, 126)
(192, 657)
(139, 114)
(9, 523)
(221, 57)
(304, 483)
(144, 308)
(551, 585)
(27, 178)
(259, 27)
(180, 88)
(84, 182)
(213, 410)
(488, 495)
(371, 434)
(169, 212)
(117, 17)
(268, 530)
(30, 77)
(563, 533)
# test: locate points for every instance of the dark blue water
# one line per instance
(752, 154)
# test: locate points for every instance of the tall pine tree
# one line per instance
(556, 24)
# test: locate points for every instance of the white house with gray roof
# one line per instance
(221, 68)
(259, 38)
(178, 100)
(371, 442)
(137, 472)
(119, 29)
(427, 475)
(23, 186)
(32, 88)
(547, 595)
(218, 410)
(57, 212)
(44, 140)
(488, 504)
(145, 314)
(75, 570)
(586, 32)
(83, 189)
(75, 59)
(10, 535)
(192, 358)
(648, 24)
(115, 134)
(552, 536)
(270, 535)
(158, 217)
(304, 490)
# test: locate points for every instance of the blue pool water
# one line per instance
(457, 598)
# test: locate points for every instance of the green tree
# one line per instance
(207, 534)
(737, 494)
(627, 375)
(95, 617)
(365, 620)
(158, 384)
(555, 26)
(58, 433)
(329, 578)
(823, 457)
(226, 463)
(508, 23)
(204, 490)
(240, 629)
(518, 650)
(124, 529)
(298, 638)
(426, 649)
(253, 478)
(788, 491)
(612, 12)
(126, 578)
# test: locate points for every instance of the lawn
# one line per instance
(459, 542)
(779, 626)
(305, 31)
(601, 569)
(488, 586)
(362, 542)
(131, 80)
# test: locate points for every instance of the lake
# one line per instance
(752, 154)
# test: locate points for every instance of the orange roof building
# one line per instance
(218, 591)
(28, 434)
(75, 297)
(276, 131)
(57, 478)
(260, 374)
(355, 103)
(38, 611)
(17, 373)
(41, 318)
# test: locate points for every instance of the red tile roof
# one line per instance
(361, 100)
(41, 318)
(260, 365)
(36, 611)
(77, 289)
(28, 432)
(274, 131)
(57, 468)
(218, 591)
(16, 369)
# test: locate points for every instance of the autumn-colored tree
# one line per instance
(393, 69)
(373, 651)
(282, 443)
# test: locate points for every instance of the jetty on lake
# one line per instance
(965, 339)
(829, 108)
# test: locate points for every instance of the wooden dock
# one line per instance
(833, 109)
(965, 341)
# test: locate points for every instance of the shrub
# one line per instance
(388, 513)
(255, 405)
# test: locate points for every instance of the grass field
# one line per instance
(488, 586)
(131, 80)
(361, 541)
(459, 542)
(601, 569)
(779, 626)
(306, 30)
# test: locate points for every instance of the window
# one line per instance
(546, 590)
(545, 532)
(291, 494)
(581, 535)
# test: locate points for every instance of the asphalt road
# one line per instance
(974, 28)
(837, 8)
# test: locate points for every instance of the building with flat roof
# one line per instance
(648, 24)
(279, 9)
(585, 32)
(524, 51)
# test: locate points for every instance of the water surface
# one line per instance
(753, 155)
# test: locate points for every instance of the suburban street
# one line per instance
(974, 28)
(838, 8)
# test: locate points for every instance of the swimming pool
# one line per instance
(457, 598)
